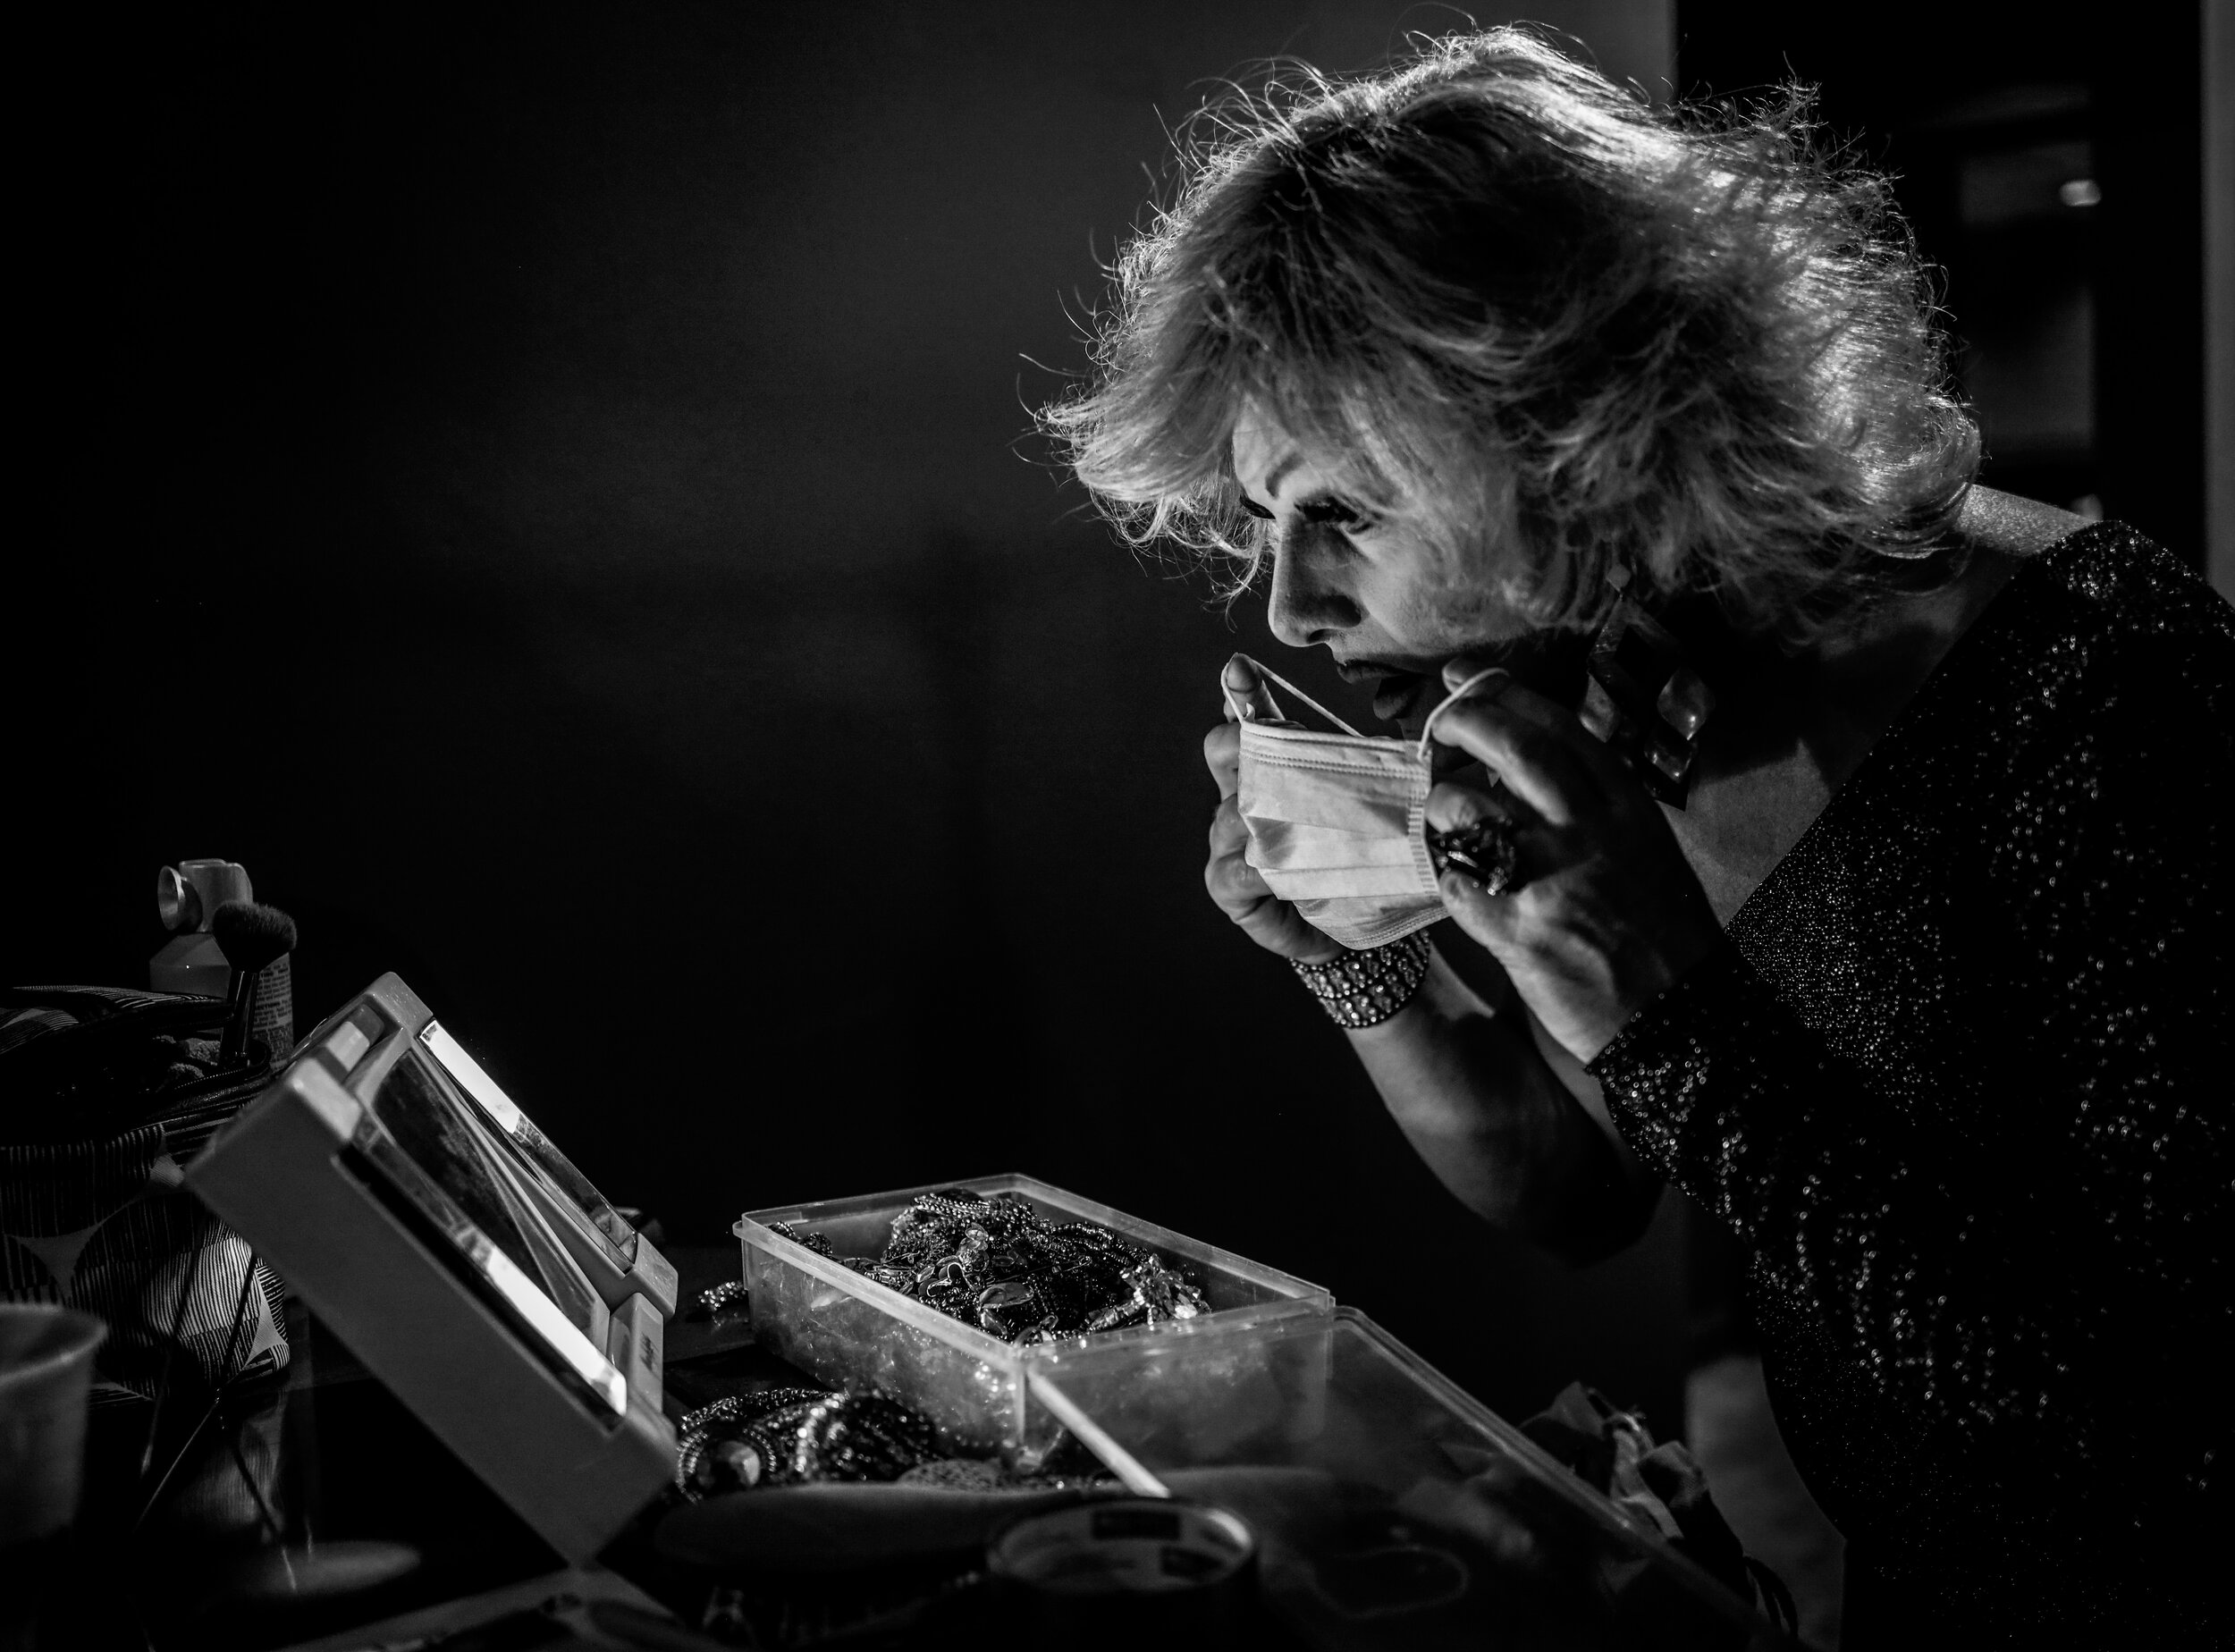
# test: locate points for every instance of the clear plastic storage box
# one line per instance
(1394, 1510)
(841, 1327)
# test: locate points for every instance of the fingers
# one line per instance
(1484, 909)
(1450, 808)
(1464, 668)
(1564, 726)
(1451, 805)
(1229, 833)
(1233, 883)
(1222, 754)
(1488, 918)
(1548, 715)
(1238, 889)
(1543, 769)
(1243, 684)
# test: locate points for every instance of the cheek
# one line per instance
(1434, 601)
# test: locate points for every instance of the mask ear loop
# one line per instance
(1427, 728)
(1291, 688)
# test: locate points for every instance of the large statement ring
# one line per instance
(1487, 852)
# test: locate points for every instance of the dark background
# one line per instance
(553, 494)
(2053, 174)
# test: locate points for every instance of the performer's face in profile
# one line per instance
(1387, 597)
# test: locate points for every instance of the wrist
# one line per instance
(1647, 983)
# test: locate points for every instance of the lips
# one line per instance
(1398, 695)
(1396, 691)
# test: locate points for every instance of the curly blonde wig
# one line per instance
(1675, 344)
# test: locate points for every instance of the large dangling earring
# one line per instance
(1644, 699)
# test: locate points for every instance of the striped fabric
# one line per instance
(104, 1225)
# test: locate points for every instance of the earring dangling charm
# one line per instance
(1643, 698)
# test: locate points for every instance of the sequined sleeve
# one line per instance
(1976, 1223)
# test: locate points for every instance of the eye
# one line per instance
(1256, 510)
(1331, 511)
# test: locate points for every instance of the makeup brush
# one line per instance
(251, 936)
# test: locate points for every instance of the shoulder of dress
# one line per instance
(2103, 599)
(2129, 580)
(2103, 631)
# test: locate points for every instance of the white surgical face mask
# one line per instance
(1337, 822)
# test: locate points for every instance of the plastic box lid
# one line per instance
(1395, 1510)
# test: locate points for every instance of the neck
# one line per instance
(1793, 726)
(1837, 694)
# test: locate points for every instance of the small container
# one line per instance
(1124, 1572)
(45, 1384)
(186, 897)
(843, 1328)
(1392, 1509)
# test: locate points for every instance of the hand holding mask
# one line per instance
(1606, 913)
(1334, 822)
(1235, 886)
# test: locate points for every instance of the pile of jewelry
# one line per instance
(791, 1437)
(797, 1436)
(1000, 1265)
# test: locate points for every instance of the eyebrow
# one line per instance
(1272, 482)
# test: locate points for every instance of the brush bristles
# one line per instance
(251, 935)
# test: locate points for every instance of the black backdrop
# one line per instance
(551, 496)
(2078, 326)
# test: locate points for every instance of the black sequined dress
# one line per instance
(1959, 1084)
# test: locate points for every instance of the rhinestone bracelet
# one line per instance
(1364, 988)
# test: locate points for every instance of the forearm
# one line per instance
(1483, 1108)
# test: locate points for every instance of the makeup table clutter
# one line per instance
(502, 1417)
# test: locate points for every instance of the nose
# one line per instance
(1308, 604)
